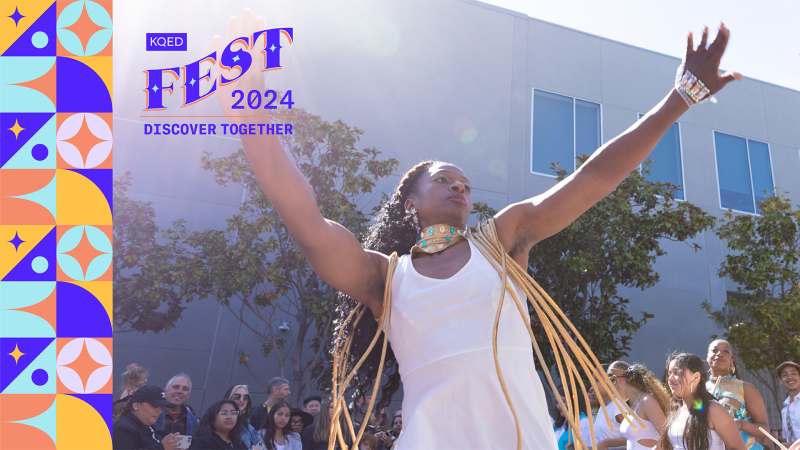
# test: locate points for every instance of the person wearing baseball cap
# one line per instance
(134, 429)
(789, 374)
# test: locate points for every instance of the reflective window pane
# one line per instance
(552, 139)
(666, 165)
(734, 172)
(587, 127)
(761, 170)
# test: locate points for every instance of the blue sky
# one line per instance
(765, 36)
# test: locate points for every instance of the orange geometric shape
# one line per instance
(108, 118)
(85, 365)
(84, 140)
(109, 386)
(108, 276)
(24, 406)
(17, 211)
(84, 253)
(46, 309)
(46, 84)
(84, 28)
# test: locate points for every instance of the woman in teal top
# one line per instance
(561, 425)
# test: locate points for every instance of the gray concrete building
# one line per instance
(465, 82)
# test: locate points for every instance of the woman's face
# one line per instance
(375, 418)
(330, 410)
(681, 381)
(720, 355)
(146, 412)
(241, 396)
(442, 195)
(558, 405)
(226, 418)
(282, 416)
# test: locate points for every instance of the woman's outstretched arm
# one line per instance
(331, 249)
(523, 224)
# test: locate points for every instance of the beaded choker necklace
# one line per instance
(436, 238)
(724, 379)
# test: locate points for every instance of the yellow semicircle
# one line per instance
(79, 201)
(79, 426)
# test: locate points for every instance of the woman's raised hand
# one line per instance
(704, 62)
(253, 79)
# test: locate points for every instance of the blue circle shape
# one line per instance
(39, 377)
(39, 152)
(39, 39)
(39, 264)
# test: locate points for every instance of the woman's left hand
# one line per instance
(704, 62)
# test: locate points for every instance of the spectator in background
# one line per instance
(368, 442)
(315, 437)
(609, 436)
(277, 434)
(221, 427)
(133, 378)
(789, 374)
(178, 418)
(386, 438)
(648, 399)
(240, 394)
(278, 391)
(564, 435)
(741, 399)
(594, 403)
(378, 421)
(134, 429)
(312, 405)
(299, 420)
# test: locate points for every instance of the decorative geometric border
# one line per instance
(56, 145)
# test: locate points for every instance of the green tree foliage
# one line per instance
(254, 267)
(761, 317)
(615, 243)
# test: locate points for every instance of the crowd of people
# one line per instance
(150, 417)
(699, 406)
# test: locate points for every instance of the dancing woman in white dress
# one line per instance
(696, 421)
(443, 299)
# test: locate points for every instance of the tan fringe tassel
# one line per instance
(554, 322)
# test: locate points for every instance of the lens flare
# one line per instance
(697, 404)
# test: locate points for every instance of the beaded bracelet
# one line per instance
(691, 89)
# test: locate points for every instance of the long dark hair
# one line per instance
(229, 394)
(267, 429)
(206, 424)
(696, 431)
(561, 419)
(392, 230)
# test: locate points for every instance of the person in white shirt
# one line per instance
(789, 374)
(605, 436)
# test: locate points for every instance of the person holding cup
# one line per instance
(134, 429)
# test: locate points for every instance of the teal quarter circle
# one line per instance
(45, 421)
(19, 69)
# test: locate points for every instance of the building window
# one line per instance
(744, 172)
(563, 127)
(667, 165)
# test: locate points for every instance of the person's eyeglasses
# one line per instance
(245, 397)
(296, 421)
(225, 414)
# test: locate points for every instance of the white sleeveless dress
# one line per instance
(441, 334)
(634, 436)
(676, 435)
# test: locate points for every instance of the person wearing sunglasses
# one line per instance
(299, 420)
(220, 428)
(240, 394)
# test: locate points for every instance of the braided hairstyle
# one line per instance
(392, 230)
(639, 377)
(696, 433)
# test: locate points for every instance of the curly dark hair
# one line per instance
(392, 230)
(206, 424)
(696, 433)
